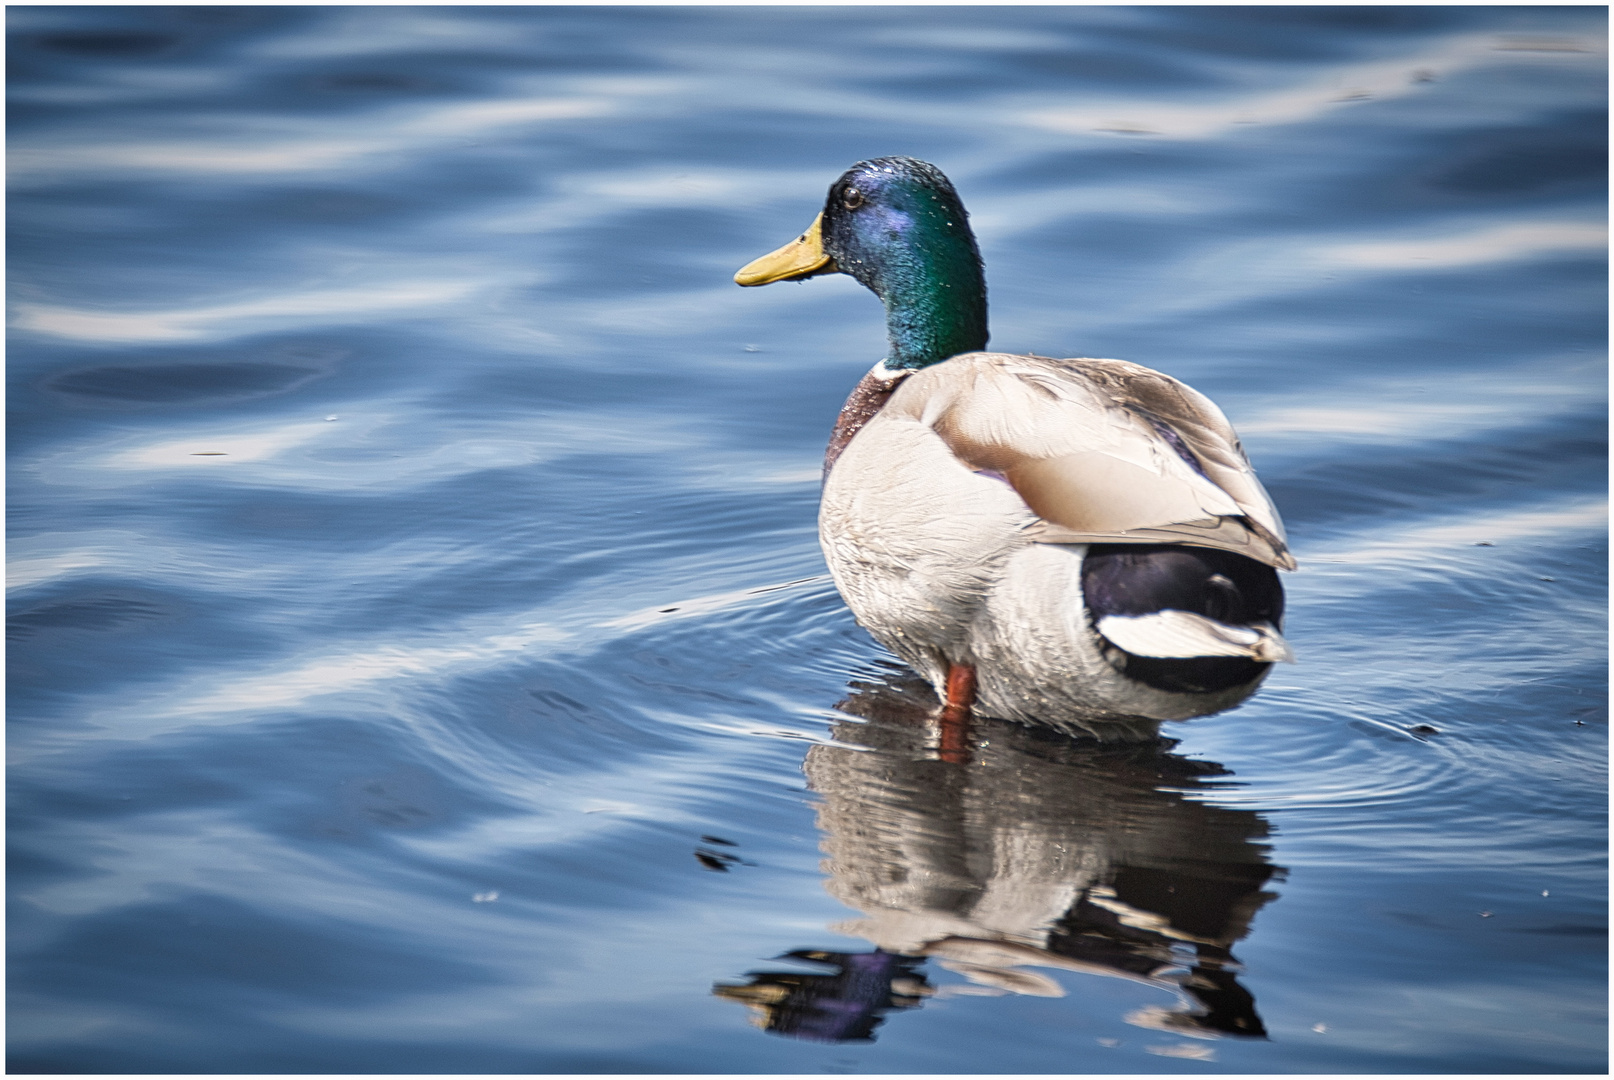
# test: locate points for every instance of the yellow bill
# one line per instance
(802, 257)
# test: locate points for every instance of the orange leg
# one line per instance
(955, 714)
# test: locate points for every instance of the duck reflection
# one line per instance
(1040, 851)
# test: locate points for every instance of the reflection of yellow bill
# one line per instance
(802, 257)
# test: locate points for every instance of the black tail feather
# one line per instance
(1140, 579)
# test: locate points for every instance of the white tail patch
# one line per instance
(1182, 633)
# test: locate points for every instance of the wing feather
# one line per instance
(1103, 451)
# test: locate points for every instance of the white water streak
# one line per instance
(1490, 244)
(303, 307)
(1311, 99)
(1415, 544)
(262, 145)
(1434, 405)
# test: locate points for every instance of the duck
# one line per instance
(1079, 544)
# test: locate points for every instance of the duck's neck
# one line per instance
(935, 315)
(935, 305)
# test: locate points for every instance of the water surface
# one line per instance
(421, 656)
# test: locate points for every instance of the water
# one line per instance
(421, 657)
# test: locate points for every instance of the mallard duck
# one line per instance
(1075, 543)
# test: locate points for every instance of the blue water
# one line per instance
(421, 659)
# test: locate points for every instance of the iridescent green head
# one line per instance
(896, 225)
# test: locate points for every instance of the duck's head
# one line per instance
(896, 225)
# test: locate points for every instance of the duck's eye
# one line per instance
(851, 198)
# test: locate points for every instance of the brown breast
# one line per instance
(867, 398)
